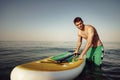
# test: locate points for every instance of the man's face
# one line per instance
(79, 25)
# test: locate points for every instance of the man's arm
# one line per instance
(78, 43)
(88, 43)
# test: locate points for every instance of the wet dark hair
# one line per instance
(77, 19)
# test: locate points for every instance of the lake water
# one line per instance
(13, 53)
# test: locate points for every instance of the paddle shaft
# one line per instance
(64, 58)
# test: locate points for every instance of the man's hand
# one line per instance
(76, 51)
(80, 58)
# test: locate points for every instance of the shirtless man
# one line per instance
(94, 47)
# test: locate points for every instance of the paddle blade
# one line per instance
(65, 57)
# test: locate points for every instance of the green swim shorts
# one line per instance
(95, 54)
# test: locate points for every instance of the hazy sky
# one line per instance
(52, 20)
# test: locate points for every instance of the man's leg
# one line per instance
(98, 56)
(97, 59)
(89, 55)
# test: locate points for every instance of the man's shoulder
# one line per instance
(89, 27)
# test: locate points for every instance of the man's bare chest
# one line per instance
(83, 35)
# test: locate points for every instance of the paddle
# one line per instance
(66, 57)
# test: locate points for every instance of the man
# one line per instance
(93, 47)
